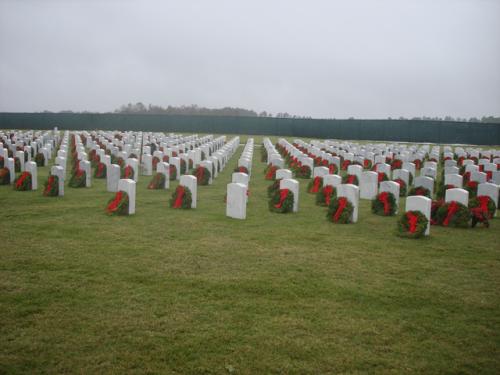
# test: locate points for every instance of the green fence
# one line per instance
(377, 130)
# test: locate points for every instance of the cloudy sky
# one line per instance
(331, 58)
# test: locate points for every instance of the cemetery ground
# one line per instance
(192, 291)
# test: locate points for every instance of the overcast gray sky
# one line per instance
(342, 58)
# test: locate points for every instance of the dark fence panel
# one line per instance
(377, 130)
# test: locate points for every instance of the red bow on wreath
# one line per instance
(340, 208)
(412, 221)
(384, 198)
(180, 194)
(316, 184)
(113, 206)
(327, 192)
(452, 210)
(283, 195)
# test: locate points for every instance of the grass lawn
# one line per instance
(191, 291)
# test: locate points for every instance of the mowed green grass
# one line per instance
(190, 292)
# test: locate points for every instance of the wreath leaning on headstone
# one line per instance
(412, 224)
(281, 201)
(157, 182)
(118, 205)
(100, 171)
(270, 172)
(181, 198)
(202, 175)
(453, 214)
(315, 185)
(172, 170)
(271, 189)
(241, 169)
(340, 211)
(23, 182)
(325, 195)
(51, 188)
(420, 190)
(402, 187)
(384, 204)
(78, 179)
(350, 179)
(303, 171)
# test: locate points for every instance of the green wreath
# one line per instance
(17, 165)
(304, 171)
(100, 171)
(51, 186)
(202, 175)
(343, 217)
(127, 172)
(310, 185)
(420, 190)
(39, 159)
(321, 196)
(118, 205)
(476, 202)
(378, 205)
(402, 187)
(286, 204)
(271, 189)
(172, 170)
(23, 182)
(183, 166)
(419, 227)
(460, 219)
(157, 182)
(350, 179)
(241, 169)
(186, 200)
(78, 179)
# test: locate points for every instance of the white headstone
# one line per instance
(164, 168)
(112, 177)
(368, 185)
(457, 194)
(283, 173)
(31, 168)
(425, 182)
(58, 171)
(490, 190)
(332, 180)
(85, 165)
(241, 178)
(236, 201)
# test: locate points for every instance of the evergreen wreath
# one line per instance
(420, 190)
(303, 171)
(325, 195)
(483, 203)
(100, 171)
(202, 175)
(270, 172)
(350, 179)
(402, 187)
(271, 189)
(157, 182)
(384, 204)
(172, 170)
(118, 205)
(315, 185)
(23, 182)
(281, 201)
(340, 211)
(17, 165)
(51, 186)
(453, 214)
(39, 159)
(412, 224)
(183, 166)
(181, 198)
(241, 169)
(78, 179)
(128, 172)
